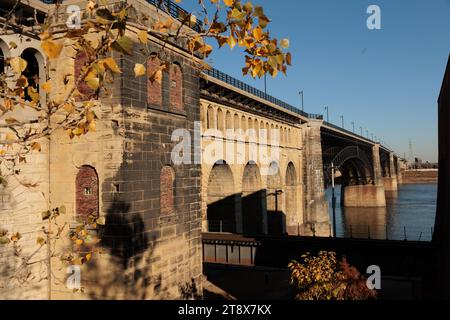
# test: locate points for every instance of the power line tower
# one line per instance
(411, 155)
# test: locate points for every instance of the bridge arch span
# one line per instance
(221, 199)
(254, 219)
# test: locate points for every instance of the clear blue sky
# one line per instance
(386, 81)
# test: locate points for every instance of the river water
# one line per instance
(409, 214)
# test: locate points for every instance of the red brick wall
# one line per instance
(154, 89)
(167, 179)
(176, 87)
(86, 204)
(80, 60)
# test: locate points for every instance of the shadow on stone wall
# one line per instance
(122, 270)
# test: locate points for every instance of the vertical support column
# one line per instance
(265, 226)
(399, 172)
(393, 170)
(316, 206)
(380, 197)
(238, 213)
(377, 172)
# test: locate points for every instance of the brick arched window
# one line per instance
(87, 194)
(154, 88)
(167, 189)
(81, 60)
(176, 87)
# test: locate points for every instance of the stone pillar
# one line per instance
(399, 172)
(390, 183)
(316, 206)
(367, 195)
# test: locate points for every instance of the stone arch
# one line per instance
(243, 123)
(176, 86)
(228, 121)
(221, 199)
(353, 164)
(34, 72)
(236, 121)
(291, 189)
(86, 192)
(256, 127)
(166, 190)
(220, 120)
(210, 121)
(154, 88)
(254, 216)
(4, 53)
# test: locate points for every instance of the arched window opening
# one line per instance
(155, 80)
(176, 87)
(87, 193)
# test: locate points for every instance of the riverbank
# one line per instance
(420, 176)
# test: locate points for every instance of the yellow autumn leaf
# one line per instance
(143, 36)
(79, 242)
(228, 3)
(78, 131)
(92, 126)
(9, 137)
(18, 64)
(88, 256)
(36, 146)
(51, 48)
(69, 108)
(231, 41)
(258, 33)
(47, 87)
(139, 69)
(112, 65)
(92, 80)
(285, 43)
(41, 241)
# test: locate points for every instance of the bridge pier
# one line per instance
(317, 220)
(369, 195)
(391, 183)
(399, 172)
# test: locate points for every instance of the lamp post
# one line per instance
(353, 126)
(360, 128)
(342, 118)
(301, 93)
(328, 116)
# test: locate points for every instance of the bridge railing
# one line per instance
(219, 75)
(168, 6)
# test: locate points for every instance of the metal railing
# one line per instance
(384, 232)
(219, 75)
(175, 11)
(168, 6)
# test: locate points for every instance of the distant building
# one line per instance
(442, 235)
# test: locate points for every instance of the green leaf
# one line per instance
(124, 45)
(4, 240)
